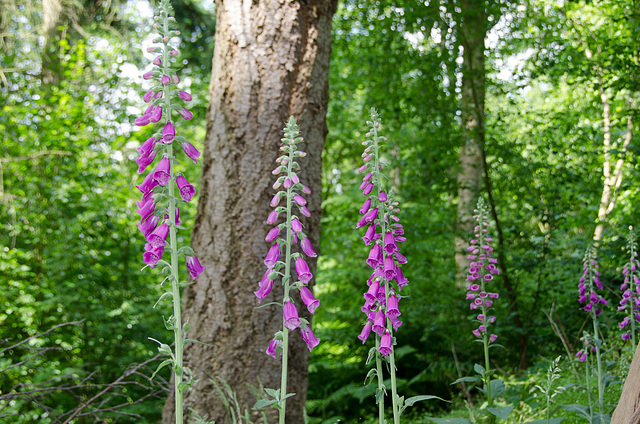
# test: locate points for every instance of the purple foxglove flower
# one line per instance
(378, 323)
(400, 258)
(265, 287)
(365, 207)
(144, 161)
(156, 115)
(147, 147)
(304, 211)
(152, 257)
(157, 61)
(147, 226)
(146, 209)
(287, 183)
(361, 223)
(148, 96)
(145, 199)
(291, 320)
(275, 200)
(362, 168)
(299, 200)
(158, 95)
(382, 197)
(296, 226)
(368, 236)
(194, 267)
(149, 110)
(294, 177)
(309, 338)
(186, 190)
(395, 323)
(273, 234)
(272, 218)
(371, 215)
(302, 269)
(273, 346)
(392, 306)
(272, 256)
(493, 338)
(626, 337)
(367, 177)
(371, 294)
(142, 121)
(367, 190)
(147, 75)
(177, 213)
(390, 245)
(163, 171)
(305, 189)
(385, 344)
(191, 151)
(306, 247)
(158, 237)
(184, 96)
(374, 254)
(187, 115)
(175, 79)
(168, 133)
(166, 80)
(364, 335)
(309, 299)
(389, 268)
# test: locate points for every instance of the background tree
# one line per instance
(271, 61)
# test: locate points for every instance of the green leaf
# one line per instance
(162, 365)
(502, 413)
(551, 421)
(577, 408)
(479, 369)
(186, 250)
(265, 402)
(420, 398)
(273, 393)
(371, 373)
(497, 388)
(467, 380)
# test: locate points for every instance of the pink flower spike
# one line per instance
(273, 347)
(152, 257)
(365, 206)
(367, 190)
(158, 237)
(382, 197)
(378, 323)
(296, 226)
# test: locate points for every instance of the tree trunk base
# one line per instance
(628, 409)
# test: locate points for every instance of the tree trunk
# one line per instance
(51, 17)
(628, 409)
(271, 61)
(472, 33)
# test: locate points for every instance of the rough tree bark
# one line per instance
(628, 409)
(51, 17)
(271, 60)
(469, 178)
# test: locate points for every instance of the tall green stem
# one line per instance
(380, 383)
(599, 362)
(175, 283)
(285, 281)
